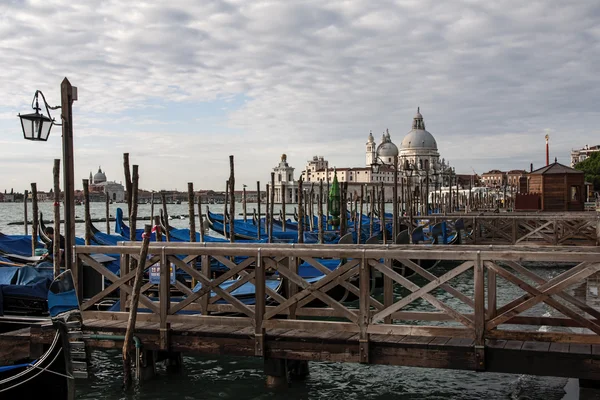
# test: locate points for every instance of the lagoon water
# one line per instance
(242, 378)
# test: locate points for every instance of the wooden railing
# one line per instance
(512, 229)
(318, 305)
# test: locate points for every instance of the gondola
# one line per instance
(50, 376)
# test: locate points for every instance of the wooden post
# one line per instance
(267, 227)
(191, 212)
(56, 243)
(479, 291)
(25, 195)
(382, 214)
(259, 309)
(152, 206)
(364, 309)
(327, 199)
(86, 206)
(200, 217)
(163, 199)
(342, 207)
(372, 213)
(321, 203)
(225, 204)
(283, 200)
(35, 223)
(127, 181)
(134, 205)
(360, 214)
(395, 202)
(244, 203)
(107, 213)
(598, 231)
(258, 206)
(231, 200)
(272, 209)
(300, 213)
(320, 215)
(311, 208)
(492, 289)
(69, 184)
(388, 291)
(137, 285)
(164, 297)
(204, 299)
(158, 231)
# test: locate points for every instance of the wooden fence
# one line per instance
(316, 305)
(580, 229)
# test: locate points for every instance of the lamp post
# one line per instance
(37, 126)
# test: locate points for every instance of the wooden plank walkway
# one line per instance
(574, 360)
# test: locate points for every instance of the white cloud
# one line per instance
(317, 76)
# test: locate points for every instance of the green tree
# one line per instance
(591, 167)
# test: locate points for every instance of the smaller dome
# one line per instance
(99, 177)
(371, 138)
(387, 149)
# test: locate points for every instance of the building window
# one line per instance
(279, 177)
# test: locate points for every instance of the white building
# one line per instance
(418, 161)
(99, 184)
(284, 180)
(580, 155)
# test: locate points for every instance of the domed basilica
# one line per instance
(418, 162)
(418, 151)
(99, 187)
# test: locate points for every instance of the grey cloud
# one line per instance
(489, 76)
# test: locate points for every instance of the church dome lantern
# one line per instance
(419, 137)
(387, 149)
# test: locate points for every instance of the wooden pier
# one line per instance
(313, 322)
(541, 229)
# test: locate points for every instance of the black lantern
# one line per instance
(37, 126)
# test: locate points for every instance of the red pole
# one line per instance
(547, 151)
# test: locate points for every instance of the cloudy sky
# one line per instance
(182, 85)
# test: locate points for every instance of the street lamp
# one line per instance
(37, 126)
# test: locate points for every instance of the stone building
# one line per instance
(580, 155)
(285, 185)
(99, 186)
(418, 161)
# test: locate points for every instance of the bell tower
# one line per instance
(370, 150)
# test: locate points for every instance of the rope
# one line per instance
(42, 370)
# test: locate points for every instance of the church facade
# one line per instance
(418, 160)
(99, 186)
(285, 185)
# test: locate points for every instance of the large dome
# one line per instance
(418, 137)
(387, 149)
(99, 177)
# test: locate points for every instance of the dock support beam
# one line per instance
(276, 372)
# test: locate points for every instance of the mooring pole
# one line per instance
(25, 195)
(137, 285)
(35, 223)
(56, 243)
(86, 207)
